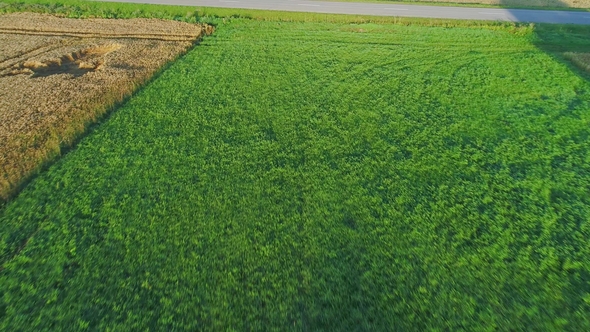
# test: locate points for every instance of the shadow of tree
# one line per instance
(567, 43)
(544, 3)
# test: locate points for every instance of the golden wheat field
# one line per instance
(57, 75)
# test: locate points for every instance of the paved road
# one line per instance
(515, 15)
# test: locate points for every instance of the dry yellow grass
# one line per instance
(57, 75)
(581, 60)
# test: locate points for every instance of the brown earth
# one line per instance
(57, 75)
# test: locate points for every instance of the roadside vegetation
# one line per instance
(312, 173)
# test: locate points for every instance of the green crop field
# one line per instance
(321, 176)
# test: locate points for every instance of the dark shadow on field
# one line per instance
(550, 11)
(541, 3)
(567, 43)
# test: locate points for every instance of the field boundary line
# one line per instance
(161, 37)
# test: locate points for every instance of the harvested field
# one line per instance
(59, 74)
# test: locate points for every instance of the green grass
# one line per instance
(84, 9)
(321, 176)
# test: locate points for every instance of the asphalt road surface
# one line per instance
(515, 15)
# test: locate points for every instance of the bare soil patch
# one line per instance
(57, 75)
